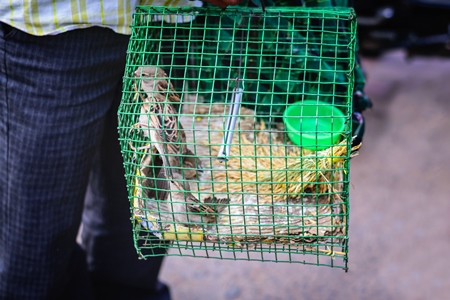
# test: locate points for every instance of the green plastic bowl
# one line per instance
(313, 125)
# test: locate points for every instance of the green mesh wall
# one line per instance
(211, 166)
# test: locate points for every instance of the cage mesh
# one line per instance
(210, 168)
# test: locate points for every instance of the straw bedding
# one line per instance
(278, 193)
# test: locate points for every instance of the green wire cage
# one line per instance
(235, 128)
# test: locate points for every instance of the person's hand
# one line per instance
(224, 3)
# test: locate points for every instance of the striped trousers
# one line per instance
(60, 165)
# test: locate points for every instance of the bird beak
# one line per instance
(136, 73)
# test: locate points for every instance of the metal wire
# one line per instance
(272, 199)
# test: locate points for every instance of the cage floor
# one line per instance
(256, 213)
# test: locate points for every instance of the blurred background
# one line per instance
(399, 242)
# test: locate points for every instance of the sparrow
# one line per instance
(154, 79)
(175, 200)
(150, 185)
(165, 130)
(186, 208)
(169, 138)
(154, 176)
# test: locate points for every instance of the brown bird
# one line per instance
(175, 200)
(186, 208)
(169, 139)
(154, 79)
(164, 128)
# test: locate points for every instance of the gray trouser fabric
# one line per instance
(58, 118)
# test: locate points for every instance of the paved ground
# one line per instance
(400, 205)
